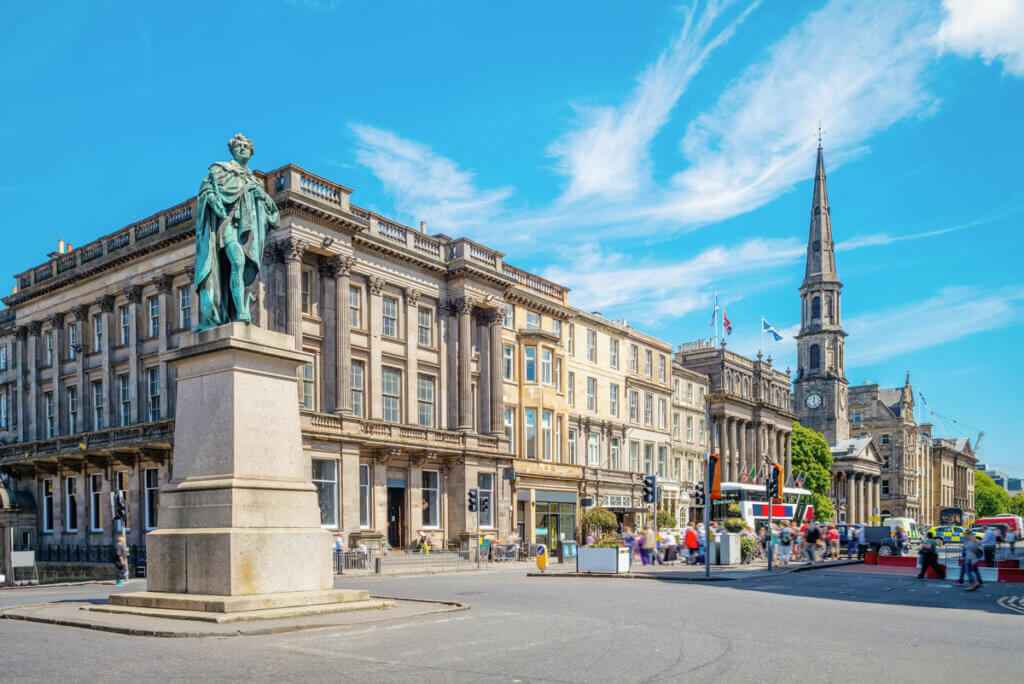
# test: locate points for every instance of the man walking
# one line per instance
(811, 537)
(929, 555)
(648, 546)
(692, 543)
(121, 559)
(988, 545)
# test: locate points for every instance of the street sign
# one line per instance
(586, 501)
(542, 557)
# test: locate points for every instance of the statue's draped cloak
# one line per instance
(239, 193)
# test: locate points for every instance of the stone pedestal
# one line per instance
(240, 517)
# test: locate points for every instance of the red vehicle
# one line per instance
(1007, 521)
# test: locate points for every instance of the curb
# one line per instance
(449, 607)
(720, 578)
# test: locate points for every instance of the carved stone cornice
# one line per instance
(163, 283)
(412, 296)
(292, 249)
(35, 328)
(133, 293)
(57, 321)
(376, 284)
(81, 312)
(107, 303)
(21, 332)
(190, 271)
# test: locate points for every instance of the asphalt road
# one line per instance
(825, 625)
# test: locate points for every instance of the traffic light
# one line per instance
(473, 500)
(120, 506)
(714, 477)
(776, 493)
(698, 495)
(650, 488)
(485, 504)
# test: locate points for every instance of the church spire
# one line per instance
(821, 257)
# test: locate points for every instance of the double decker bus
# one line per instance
(796, 506)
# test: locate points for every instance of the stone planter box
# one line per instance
(615, 560)
(728, 549)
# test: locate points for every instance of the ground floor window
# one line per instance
(431, 498)
(556, 523)
(325, 479)
(71, 504)
(151, 479)
(96, 502)
(364, 495)
(47, 505)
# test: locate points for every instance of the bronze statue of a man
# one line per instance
(233, 215)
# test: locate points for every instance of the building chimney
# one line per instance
(60, 246)
(423, 226)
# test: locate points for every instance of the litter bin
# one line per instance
(567, 552)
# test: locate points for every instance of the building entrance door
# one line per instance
(396, 517)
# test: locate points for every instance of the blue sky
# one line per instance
(643, 154)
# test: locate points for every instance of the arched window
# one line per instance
(746, 387)
(730, 383)
(815, 357)
(815, 307)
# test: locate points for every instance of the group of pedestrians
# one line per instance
(665, 546)
(813, 542)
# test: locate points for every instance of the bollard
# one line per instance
(377, 564)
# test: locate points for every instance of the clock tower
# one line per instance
(820, 384)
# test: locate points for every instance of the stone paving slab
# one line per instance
(78, 614)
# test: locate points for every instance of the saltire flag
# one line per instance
(714, 314)
(770, 329)
(726, 325)
(922, 398)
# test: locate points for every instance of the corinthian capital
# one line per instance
(376, 284)
(81, 312)
(163, 283)
(133, 293)
(57, 321)
(107, 303)
(412, 296)
(292, 249)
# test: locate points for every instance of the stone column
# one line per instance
(412, 308)
(164, 287)
(865, 500)
(375, 324)
(494, 321)
(292, 251)
(877, 491)
(729, 450)
(330, 310)
(789, 453)
(57, 324)
(741, 450)
(348, 488)
(81, 381)
(751, 444)
(466, 422)
(343, 383)
(35, 328)
(107, 325)
(482, 406)
(855, 505)
(134, 296)
(450, 363)
(20, 364)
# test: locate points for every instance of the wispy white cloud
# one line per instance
(855, 65)
(649, 292)
(424, 184)
(952, 314)
(990, 29)
(607, 156)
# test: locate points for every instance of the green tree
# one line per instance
(1018, 504)
(600, 519)
(813, 460)
(989, 498)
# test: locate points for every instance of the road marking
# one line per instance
(1012, 603)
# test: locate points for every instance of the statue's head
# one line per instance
(241, 148)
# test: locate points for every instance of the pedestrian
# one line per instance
(851, 542)
(1011, 539)
(862, 542)
(648, 546)
(901, 540)
(811, 537)
(929, 555)
(702, 542)
(692, 543)
(833, 542)
(969, 568)
(121, 559)
(988, 544)
(785, 542)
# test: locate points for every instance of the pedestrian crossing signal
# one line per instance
(473, 500)
(775, 483)
(650, 488)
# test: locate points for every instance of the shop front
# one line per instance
(547, 517)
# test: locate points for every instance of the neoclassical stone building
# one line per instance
(437, 367)
(751, 416)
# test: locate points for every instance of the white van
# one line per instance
(908, 525)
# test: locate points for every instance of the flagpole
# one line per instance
(716, 318)
(762, 335)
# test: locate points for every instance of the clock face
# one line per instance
(813, 400)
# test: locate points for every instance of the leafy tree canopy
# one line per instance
(600, 518)
(990, 498)
(813, 460)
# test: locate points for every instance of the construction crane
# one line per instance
(979, 442)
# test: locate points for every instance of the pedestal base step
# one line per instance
(210, 603)
(225, 609)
